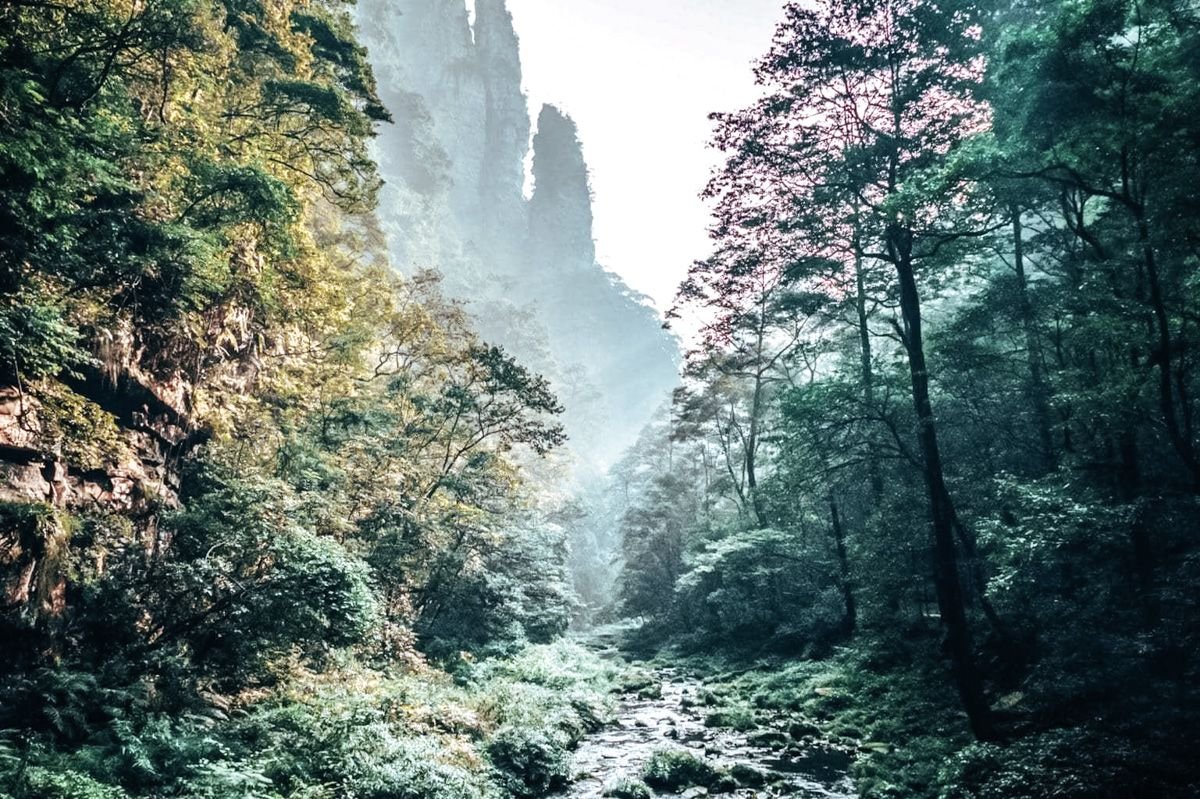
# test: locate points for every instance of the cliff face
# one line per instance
(454, 164)
(560, 211)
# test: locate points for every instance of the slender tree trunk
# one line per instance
(1040, 393)
(947, 580)
(1180, 438)
(839, 539)
(874, 471)
(756, 502)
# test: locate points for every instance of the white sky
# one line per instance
(640, 78)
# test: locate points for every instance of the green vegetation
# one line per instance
(676, 769)
(628, 788)
(930, 486)
(276, 523)
(500, 727)
(261, 496)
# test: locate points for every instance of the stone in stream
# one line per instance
(770, 739)
(747, 776)
(802, 728)
(627, 758)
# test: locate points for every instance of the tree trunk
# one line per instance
(874, 471)
(756, 502)
(947, 580)
(1181, 438)
(1039, 391)
(839, 539)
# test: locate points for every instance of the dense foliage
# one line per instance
(939, 423)
(254, 483)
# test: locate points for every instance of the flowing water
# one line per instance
(644, 725)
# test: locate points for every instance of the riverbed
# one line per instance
(668, 713)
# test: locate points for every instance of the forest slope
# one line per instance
(933, 472)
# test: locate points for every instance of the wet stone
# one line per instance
(646, 724)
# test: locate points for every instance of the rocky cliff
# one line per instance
(454, 164)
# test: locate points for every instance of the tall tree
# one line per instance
(866, 103)
(1109, 122)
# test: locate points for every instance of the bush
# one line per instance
(531, 761)
(1062, 764)
(734, 717)
(248, 582)
(628, 788)
(676, 769)
(42, 783)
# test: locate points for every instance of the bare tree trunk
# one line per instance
(756, 409)
(874, 471)
(1181, 438)
(1039, 390)
(839, 539)
(947, 580)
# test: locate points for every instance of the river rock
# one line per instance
(772, 739)
(802, 728)
(747, 776)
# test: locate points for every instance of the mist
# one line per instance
(498, 201)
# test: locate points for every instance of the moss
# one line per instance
(747, 776)
(653, 691)
(799, 729)
(734, 717)
(676, 769)
(84, 434)
(635, 680)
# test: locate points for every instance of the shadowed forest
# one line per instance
(334, 464)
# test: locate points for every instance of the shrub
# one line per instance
(735, 717)
(531, 761)
(628, 788)
(676, 769)
(45, 783)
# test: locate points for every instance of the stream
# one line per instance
(645, 723)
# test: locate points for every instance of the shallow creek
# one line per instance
(644, 725)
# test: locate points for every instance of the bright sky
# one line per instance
(640, 77)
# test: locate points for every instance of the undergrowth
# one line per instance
(494, 729)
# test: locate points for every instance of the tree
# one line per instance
(1110, 126)
(866, 104)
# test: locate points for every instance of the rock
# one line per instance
(802, 728)
(747, 776)
(771, 739)
(724, 784)
(1009, 701)
(652, 691)
(692, 793)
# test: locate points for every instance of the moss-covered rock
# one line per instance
(735, 717)
(676, 769)
(747, 776)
